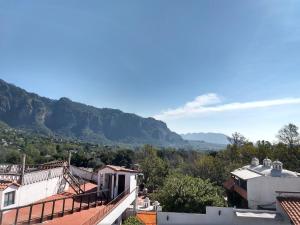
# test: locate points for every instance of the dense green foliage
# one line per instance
(154, 168)
(132, 220)
(195, 168)
(182, 193)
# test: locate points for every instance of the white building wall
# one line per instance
(130, 179)
(117, 212)
(38, 185)
(262, 190)
(132, 182)
(84, 174)
(2, 193)
(29, 193)
(213, 216)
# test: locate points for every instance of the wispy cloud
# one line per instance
(212, 103)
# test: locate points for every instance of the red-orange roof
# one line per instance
(5, 184)
(291, 206)
(148, 218)
(77, 218)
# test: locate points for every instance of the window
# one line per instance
(9, 198)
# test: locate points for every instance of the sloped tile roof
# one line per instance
(5, 184)
(291, 206)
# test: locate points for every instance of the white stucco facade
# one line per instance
(262, 190)
(117, 212)
(221, 215)
(84, 174)
(109, 179)
(37, 185)
(117, 180)
(258, 183)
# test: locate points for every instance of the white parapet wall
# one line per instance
(218, 216)
(37, 185)
(117, 212)
(39, 190)
(42, 175)
(262, 190)
(84, 174)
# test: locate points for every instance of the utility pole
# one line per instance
(23, 168)
(69, 158)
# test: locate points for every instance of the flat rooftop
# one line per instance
(76, 218)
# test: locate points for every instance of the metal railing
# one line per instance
(17, 168)
(107, 209)
(73, 182)
(48, 210)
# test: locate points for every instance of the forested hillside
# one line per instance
(68, 119)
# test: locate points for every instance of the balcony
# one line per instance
(237, 186)
(89, 208)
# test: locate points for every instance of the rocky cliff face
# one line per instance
(21, 109)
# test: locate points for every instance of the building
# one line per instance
(254, 186)
(58, 193)
(287, 212)
(117, 179)
(268, 193)
(21, 184)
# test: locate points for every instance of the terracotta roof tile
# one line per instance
(291, 206)
(5, 184)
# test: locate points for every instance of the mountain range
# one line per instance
(216, 138)
(68, 119)
(65, 118)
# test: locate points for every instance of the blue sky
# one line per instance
(154, 58)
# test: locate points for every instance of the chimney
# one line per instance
(254, 162)
(277, 169)
(146, 202)
(156, 206)
(277, 165)
(267, 162)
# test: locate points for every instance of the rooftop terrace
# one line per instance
(67, 208)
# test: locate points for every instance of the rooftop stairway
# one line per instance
(72, 181)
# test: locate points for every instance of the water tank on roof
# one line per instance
(254, 161)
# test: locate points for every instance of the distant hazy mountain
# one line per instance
(216, 138)
(63, 117)
(205, 146)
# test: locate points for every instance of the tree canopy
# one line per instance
(132, 220)
(183, 193)
(289, 135)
